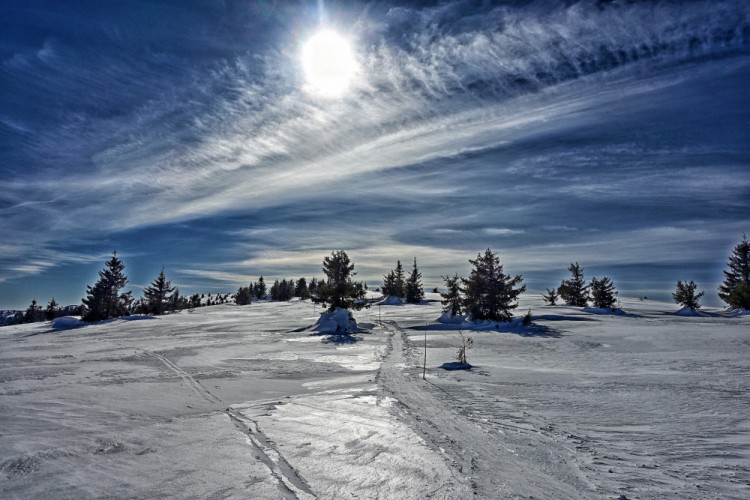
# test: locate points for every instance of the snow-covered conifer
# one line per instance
(157, 296)
(339, 291)
(603, 293)
(551, 296)
(575, 291)
(452, 301)
(243, 296)
(259, 289)
(489, 293)
(684, 294)
(414, 290)
(301, 290)
(33, 313)
(400, 283)
(735, 290)
(104, 300)
(53, 309)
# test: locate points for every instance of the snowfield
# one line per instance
(249, 402)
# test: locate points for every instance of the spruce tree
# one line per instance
(33, 313)
(399, 286)
(490, 294)
(243, 296)
(685, 295)
(287, 289)
(260, 289)
(274, 291)
(735, 290)
(312, 287)
(575, 291)
(157, 296)
(389, 284)
(104, 300)
(179, 302)
(603, 293)
(53, 309)
(195, 301)
(452, 301)
(339, 291)
(301, 290)
(414, 290)
(551, 296)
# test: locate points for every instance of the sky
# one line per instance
(186, 134)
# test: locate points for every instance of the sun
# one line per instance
(329, 63)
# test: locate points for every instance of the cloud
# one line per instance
(467, 127)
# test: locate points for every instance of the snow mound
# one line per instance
(448, 319)
(67, 323)
(338, 321)
(605, 310)
(391, 301)
(686, 311)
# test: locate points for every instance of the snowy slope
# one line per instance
(244, 402)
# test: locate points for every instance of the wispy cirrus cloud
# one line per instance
(500, 119)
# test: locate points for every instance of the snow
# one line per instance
(686, 311)
(391, 300)
(604, 310)
(449, 319)
(249, 402)
(338, 321)
(67, 323)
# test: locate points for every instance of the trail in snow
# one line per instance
(290, 484)
(193, 384)
(502, 460)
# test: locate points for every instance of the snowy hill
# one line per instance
(246, 402)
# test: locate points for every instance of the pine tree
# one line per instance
(104, 300)
(195, 301)
(339, 291)
(414, 290)
(490, 294)
(399, 286)
(735, 290)
(157, 296)
(274, 291)
(312, 287)
(260, 289)
(389, 284)
(551, 296)
(287, 289)
(243, 296)
(33, 313)
(180, 302)
(575, 291)
(53, 309)
(603, 293)
(301, 290)
(685, 295)
(452, 301)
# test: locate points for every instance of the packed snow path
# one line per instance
(501, 459)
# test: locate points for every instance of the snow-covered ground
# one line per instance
(248, 402)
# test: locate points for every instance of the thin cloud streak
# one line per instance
(457, 110)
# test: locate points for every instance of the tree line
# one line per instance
(488, 293)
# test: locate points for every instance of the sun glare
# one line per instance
(329, 63)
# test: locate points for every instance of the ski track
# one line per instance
(290, 484)
(500, 459)
(193, 384)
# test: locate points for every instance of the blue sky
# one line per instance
(184, 134)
